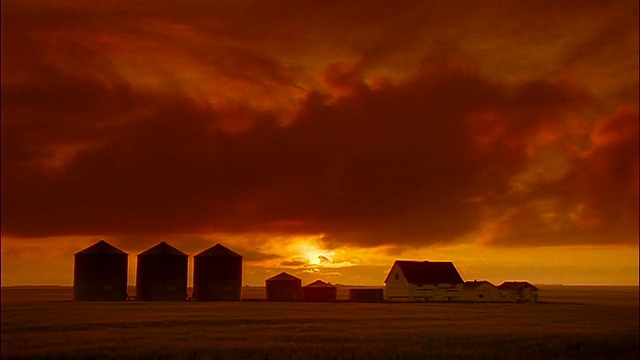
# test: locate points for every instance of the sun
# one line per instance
(312, 253)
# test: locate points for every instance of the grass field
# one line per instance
(569, 323)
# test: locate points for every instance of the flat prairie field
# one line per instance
(569, 323)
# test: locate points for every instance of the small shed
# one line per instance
(284, 287)
(100, 273)
(217, 275)
(162, 274)
(366, 295)
(319, 291)
(518, 291)
(480, 291)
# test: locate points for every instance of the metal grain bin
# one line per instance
(217, 275)
(162, 274)
(100, 273)
(319, 291)
(284, 287)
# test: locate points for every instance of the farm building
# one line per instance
(518, 291)
(423, 281)
(217, 275)
(162, 274)
(100, 273)
(319, 291)
(284, 287)
(480, 291)
(366, 295)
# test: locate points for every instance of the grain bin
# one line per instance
(162, 274)
(319, 291)
(366, 295)
(217, 275)
(100, 273)
(284, 287)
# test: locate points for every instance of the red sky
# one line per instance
(325, 139)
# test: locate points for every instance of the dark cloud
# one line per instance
(131, 131)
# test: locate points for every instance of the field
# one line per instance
(569, 323)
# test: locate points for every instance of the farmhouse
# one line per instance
(518, 291)
(423, 281)
(480, 291)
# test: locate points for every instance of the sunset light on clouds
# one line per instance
(324, 139)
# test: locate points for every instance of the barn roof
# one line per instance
(319, 284)
(472, 285)
(283, 276)
(429, 272)
(516, 285)
(101, 247)
(219, 250)
(163, 249)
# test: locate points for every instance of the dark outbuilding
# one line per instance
(319, 291)
(162, 274)
(217, 275)
(366, 295)
(284, 287)
(100, 273)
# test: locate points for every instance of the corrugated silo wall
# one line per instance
(217, 278)
(161, 278)
(100, 277)
(366, 295)
(319, 294)
(284, 290)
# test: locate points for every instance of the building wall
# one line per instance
(397, 288)
(100, 277)
(161, 278)
(519, 296)
(483, 293)
(217, 278)
(283, 290)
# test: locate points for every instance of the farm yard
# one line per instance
(568, 323)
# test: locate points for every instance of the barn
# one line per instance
(100, 273)
(518, 291)
(319, 291)
(162, 274)
(366, 295)
(423, 281)
(480, 291)
(217, 275)
(284, 287)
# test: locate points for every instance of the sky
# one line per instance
(324, 139)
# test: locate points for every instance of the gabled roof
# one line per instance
(163, 249)
(219, 250)
(319, 284)
(102, 247)
(428, 272)
(516, 285)
(283, 276)
(472, 285)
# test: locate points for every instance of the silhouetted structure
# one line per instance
(162, 274)
(319, 291)
(100, 273)
(366, 295)
(284, 287)
(217, 275)
(480, 291)
(518, 291)
(423, 281)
